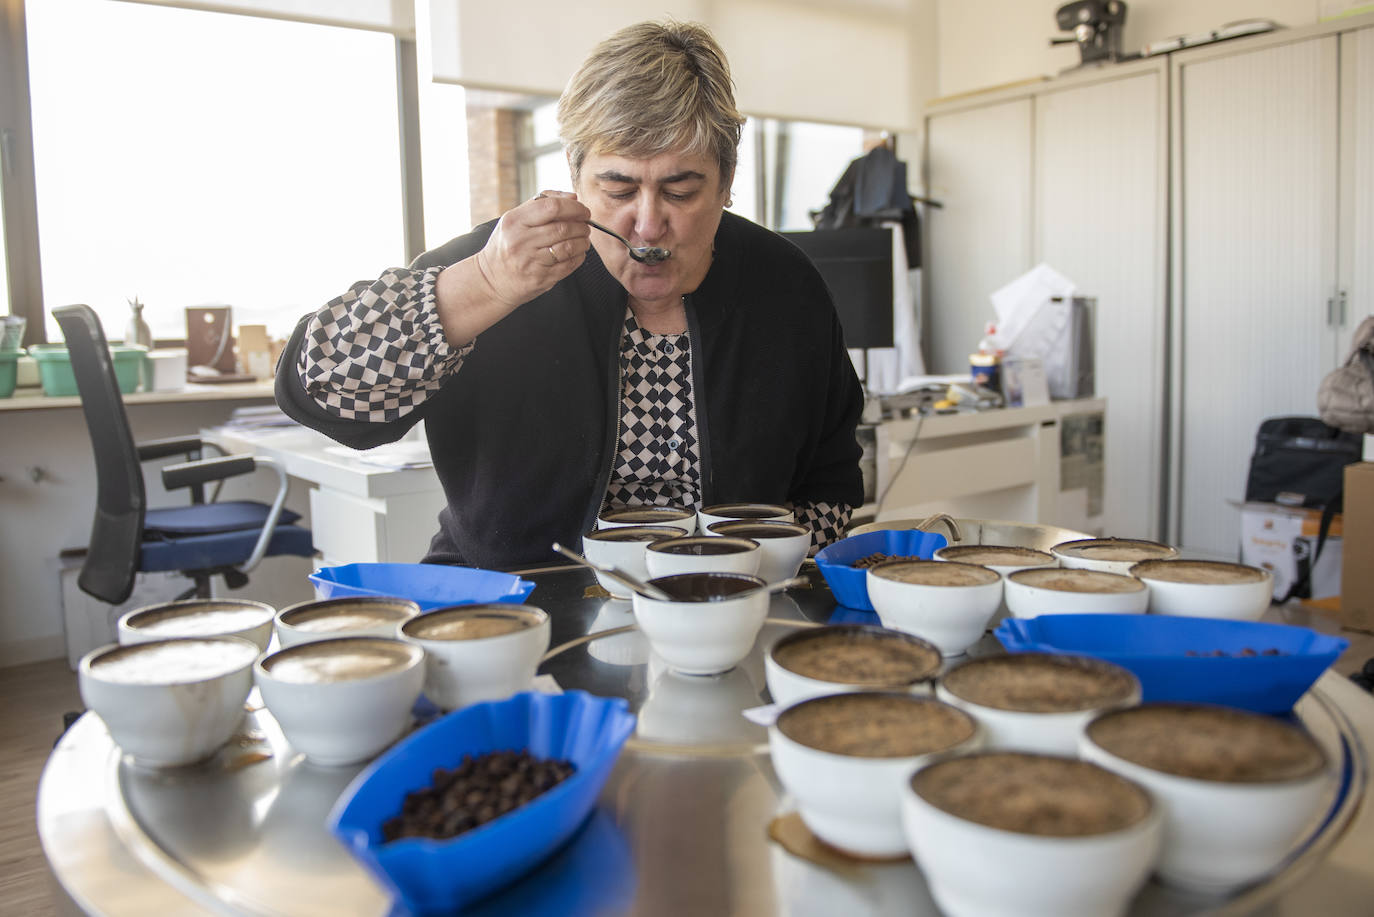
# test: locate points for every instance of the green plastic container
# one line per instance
(55, 368)
(9, 369)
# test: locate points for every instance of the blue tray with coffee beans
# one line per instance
(848, 583)
(1253, 665)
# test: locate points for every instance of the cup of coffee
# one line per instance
(1236, 789)
(361, 616)
(753, 512)
(1031, 593)
(342, 700)
(623, 546)
(1004, 559)
(782, 545)
(844, 758)
(1206, 588)
(199, 618)
(702, 554)
(1037, 702)
(478, 652)
(1110, 555)
(999, 832)
(169, 702)
(842, 658)
(946, 602)
(710, 623)
(678, 516)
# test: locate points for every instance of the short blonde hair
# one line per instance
(648, 89)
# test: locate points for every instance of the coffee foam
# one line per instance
(1119, 549)
(647, 514)
(875, 725)
(345, 616)
(1198, 572)
(1065, 580)
(200, 620)
(1033, 794)
(992, 555)
(1038, 683)
(859, 658)
(935, 573)
(327, 661)
(173, 661)
(1209, 743)
(468, 625)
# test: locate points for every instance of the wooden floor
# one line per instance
(35, 698)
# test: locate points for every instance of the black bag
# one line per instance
(1300, 461)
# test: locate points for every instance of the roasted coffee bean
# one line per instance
(1245, 652)
(478, 790)
(873, 560)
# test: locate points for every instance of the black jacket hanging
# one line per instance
(871, 191)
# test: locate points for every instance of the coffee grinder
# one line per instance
(1096, 26)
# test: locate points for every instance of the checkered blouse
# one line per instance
(378, 351)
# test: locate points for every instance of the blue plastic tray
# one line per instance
(1155, 648)
(429, 876)
(430, 585)
(849, 584)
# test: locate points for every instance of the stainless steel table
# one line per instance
(681, 826)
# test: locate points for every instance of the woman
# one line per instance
(557, 376)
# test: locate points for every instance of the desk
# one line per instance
(33, 399)
(359, 513)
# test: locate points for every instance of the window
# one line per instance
(189, 157)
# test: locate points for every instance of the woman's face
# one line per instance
(672, 201)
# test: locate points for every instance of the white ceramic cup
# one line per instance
(782, 545)
(479, 653)
(1110, 555)
(169, 702)
(852, 801)
(327, 619)
(342, 700)
(710, 624)
(1206, 589)
(752, 512)
(945, 602)
(1005, 559)
(977, 870)
(678, 516)
(1218, 834)
(702, 554)
(1031, 593)
(199, 618)
(622, 546)
(1026, 701)
(913, 661)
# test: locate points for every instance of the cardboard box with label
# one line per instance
(1357, 579)
(1282, 540)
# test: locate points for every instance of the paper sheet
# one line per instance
(1019, 303)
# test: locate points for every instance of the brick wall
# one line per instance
(493, 176)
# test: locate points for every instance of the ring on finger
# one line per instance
(554, 255)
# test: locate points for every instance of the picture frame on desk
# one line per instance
(1024, 383)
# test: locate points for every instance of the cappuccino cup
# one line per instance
(946, 602)
(478, 653)
(1206, 588)
(848, 657)
(1031, 593)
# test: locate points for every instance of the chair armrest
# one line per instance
(161, 448)
(188, 474)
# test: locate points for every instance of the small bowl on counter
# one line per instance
(478, 653)
(845, 563)
(361, 616)
(199, 618)
(782, 545)
(844, 658)
(1110, 555)
(1030, 593)
(1206, 588)
(710, 623)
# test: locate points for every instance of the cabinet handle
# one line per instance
(1340, 298)
(1330, 310)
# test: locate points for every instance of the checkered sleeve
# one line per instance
(827, 521)
(378, 351)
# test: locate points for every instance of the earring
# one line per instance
(729, 202)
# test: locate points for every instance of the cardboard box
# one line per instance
(1282, 539)
(1357, 579)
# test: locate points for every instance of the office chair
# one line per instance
(200, 540)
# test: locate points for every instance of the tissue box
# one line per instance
(167, 370)
(1282, 539)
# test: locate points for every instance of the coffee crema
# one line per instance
(704, 546)
(858, 657)
(1208, 743)
(1041, 795)
(1198, 572)
(344, 659)
(328, 617)
(1115, 549)
(991, 555)
(200, 619)
(467, 625)
(637, 533)
(647, 515)
(1040, 683)
(169, 662)
(747, 510)
(875, 725)
(759, 529)
(1065, 580)
(935, 573)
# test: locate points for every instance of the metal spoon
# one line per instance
(645, 589)
(644, 254)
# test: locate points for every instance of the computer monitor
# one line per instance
(856, 265)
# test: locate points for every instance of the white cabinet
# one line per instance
(1265, 176)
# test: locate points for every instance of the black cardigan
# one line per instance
(523, 436)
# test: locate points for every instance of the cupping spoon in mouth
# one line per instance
(645, 254)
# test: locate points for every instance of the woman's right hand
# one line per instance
(533, 247)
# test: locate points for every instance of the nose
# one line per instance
(651, 217)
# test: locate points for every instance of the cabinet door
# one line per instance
(1100, 217)
(1256, 264)
(978, 166)
(1357, 180)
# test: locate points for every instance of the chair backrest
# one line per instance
(117, 530)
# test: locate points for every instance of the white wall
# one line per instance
(984, 43)
(38, 519)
